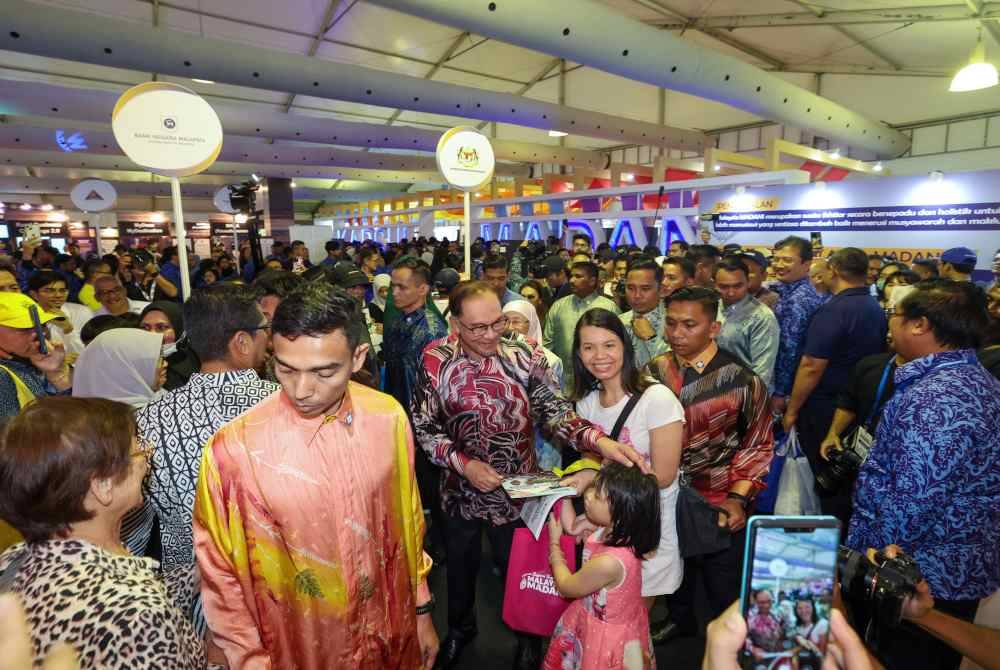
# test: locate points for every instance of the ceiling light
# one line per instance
(978, 74)
(25, 207)
(835, 154)
(294, 184)
(877, 167)
(46, 207)
(157, 217)
(936, 176)
(557, 133)
(717, 168)
(203, 81)
(241, 218)
(627, 176)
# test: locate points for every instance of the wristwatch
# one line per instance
(744, 501)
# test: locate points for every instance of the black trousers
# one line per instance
(910, 647)
(464, 544)
(813, 424)
(719, 573)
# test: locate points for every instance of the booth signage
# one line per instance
(221, 201)
(80, 230)
(93, 195)
(979, 216)
(201, 230)
(227, 229)
(465, 158)
(143, 229)
(166, 128)
(47, 228)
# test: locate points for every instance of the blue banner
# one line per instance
(981, 216)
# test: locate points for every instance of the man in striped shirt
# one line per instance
(728, 442)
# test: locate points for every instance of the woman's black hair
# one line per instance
(634, 500)
(633, 380)
(815, 614)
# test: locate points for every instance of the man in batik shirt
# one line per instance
(227, 330)
(797, 302)
(475, 407)
(728, 442)
(308, 523)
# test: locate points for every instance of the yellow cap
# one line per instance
(14, 311)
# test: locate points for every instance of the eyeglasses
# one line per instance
(263, 326)
(479, 330)
(107, 293)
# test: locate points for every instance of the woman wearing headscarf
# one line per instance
(380, 291)
(522, 321)
(123, 364)
(166, 318)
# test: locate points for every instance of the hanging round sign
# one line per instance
(167, 129)
(221, 201)
(93, 195)
(465, 158)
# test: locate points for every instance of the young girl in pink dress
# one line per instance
(607, 625)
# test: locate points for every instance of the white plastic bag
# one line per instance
(796, 493)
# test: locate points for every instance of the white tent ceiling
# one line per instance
(889, 62)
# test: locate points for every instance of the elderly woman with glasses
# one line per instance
(70, 469)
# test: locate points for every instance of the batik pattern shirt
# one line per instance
(486, 410)
(403, 342)
(932, 481)
(727, 429)
(797, 303)
(179, 425)
(647, 350)
(32, 377)
(309, 536)
(560, 326)
(751, 333)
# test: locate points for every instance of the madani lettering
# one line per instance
(539, 581)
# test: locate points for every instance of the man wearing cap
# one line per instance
(756, 263)
(26, 374)
(444, 281)
(356, 283)
(958, 263)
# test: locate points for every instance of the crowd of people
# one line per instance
(265, 474)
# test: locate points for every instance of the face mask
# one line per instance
(168, 349)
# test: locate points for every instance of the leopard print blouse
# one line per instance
(114, 610)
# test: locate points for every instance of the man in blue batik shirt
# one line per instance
(932, 481)
(797, 301)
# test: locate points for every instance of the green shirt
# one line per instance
(560, 324)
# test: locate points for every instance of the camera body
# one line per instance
(874, 592)
(242, 197)
(842, 465)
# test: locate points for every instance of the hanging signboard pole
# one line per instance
(466, 230)
(171, 131)
(466, 160)
(181, 234)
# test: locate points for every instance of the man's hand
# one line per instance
(579, 480)
(725, 639)
(788, 421)
(427, 638)
(921, 602)
(621, 453)
(52, 361)
(643, 328)
(778, 404)
(830, 443)
(483, 476)
(737, 515)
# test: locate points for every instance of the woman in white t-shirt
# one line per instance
(605, 377)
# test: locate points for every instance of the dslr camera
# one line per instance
(874, 592)
(842, 465)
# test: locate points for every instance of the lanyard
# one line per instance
(878, 394)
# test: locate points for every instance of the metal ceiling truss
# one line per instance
(836, 17)
(587, 32)
(62, 33)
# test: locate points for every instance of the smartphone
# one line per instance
(817, 240)
(789, 568)
(43, 347)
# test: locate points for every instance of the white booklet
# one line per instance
(543, 489)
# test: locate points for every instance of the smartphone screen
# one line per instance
(39, 330)
(787, 594)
